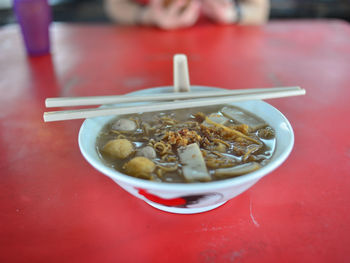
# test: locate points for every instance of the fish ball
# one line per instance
(119, 148)
(147, 152)
(124, 125)
(140, 166)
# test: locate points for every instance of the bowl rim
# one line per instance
(174, 187)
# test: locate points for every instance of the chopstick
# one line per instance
(190, 103)
(101, 100)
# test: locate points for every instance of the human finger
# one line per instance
(191, 13)
(222, 11)
(177, 7)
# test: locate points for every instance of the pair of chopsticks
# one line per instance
(187, 100)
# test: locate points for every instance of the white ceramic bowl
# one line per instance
(193, 197)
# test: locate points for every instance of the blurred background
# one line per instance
(92, 10)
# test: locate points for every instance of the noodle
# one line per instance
(223, 142)
(168, 121)
(219, 163)
(169, 169)
(115, 132)
(218, 154)
(160, 147)
(159, 172)
(231, 131)
(171, 159)
(249, 151)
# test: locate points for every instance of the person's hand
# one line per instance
(221, 11)
(179, 13)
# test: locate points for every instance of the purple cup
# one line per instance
(34, 17)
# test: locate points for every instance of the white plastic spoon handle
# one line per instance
(181, 75)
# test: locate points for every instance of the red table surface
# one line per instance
(56, 208)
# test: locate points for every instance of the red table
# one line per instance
(56, 208)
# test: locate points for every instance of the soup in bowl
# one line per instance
(189, 160)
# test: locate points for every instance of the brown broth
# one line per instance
(161, 122)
